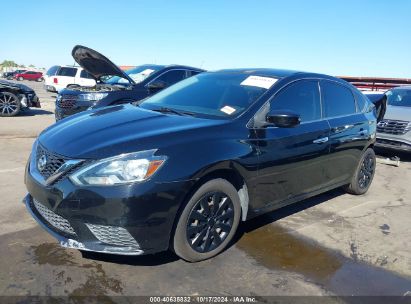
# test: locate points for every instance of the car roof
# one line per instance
(179, 66)
(402, 88)
(277, 73)
(280, 73)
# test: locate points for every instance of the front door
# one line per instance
(292, 159)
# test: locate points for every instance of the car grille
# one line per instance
(53, 219)
(112, 235)
(395, 127)
(54, 162)
(67, 101)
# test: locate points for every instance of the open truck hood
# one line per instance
(96, 64)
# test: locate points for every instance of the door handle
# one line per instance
(321, 140)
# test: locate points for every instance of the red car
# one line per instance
(29, 75)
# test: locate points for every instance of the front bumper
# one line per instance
(29, 100)
(68, 239)
(127, 220)
(393, 142)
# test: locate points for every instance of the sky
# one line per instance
(336, 37)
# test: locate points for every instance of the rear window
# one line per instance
(53, 70)
(64, 71)
(337, 99)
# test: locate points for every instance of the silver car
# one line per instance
(393, 131)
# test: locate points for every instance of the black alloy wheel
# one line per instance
(366, 172)
(210, 222)
(9, 104)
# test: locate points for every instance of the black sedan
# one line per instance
(184, 167)
(115, 86)
(15, 98)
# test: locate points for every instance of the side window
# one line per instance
(172, 77)
(361, 101)
(70, 72)
(192, 73)
(337, 99)
(302, 97)
(84, 74)
(53, 70)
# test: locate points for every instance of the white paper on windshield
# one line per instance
(139, 77)
(259, 81)
(147, 72)
(228, 110)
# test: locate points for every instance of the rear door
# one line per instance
(30, 75)
(292, 160)
(349, 133)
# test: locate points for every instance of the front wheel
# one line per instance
(364, 174)
(208, 221)
(20, 78)
(9, 104)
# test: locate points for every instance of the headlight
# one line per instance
(123, 169)
(91, 96)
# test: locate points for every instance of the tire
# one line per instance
(9, 104)
(200, 233)
(20, 78)
(363, 175)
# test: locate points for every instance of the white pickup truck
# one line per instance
(59, 77)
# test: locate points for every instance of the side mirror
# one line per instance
(156, 85)
(283, 118)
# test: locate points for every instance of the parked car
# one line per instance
(10, 75)
(181, 169)
(16, 97)
(393, 132)
(59, 77)
(29, 75)
(114, 85)
(7, 74)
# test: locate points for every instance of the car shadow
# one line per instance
(273, 216)
(35, 112)
(244, 227)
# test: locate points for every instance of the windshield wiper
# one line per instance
(169, 110)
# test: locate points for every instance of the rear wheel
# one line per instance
(208, 221)
(9, 104)
(364, 174)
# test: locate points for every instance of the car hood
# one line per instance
(398, 113)
(114, 130)
(96, 64)
(12, 85)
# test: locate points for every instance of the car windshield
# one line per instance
(138, 74)
(221, 95)
(399, 97)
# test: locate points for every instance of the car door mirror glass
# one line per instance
(283, 118)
